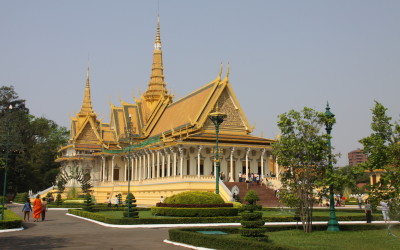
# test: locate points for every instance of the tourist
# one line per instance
(27, 209)
(162, 199)
(385, 211)
(44, 208)
(37, 208)
(368, 211)
(240, 176)
(51, 199)
(108, 201)
(359, 200)
(343, 201)
(116, 201)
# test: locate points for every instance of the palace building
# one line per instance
(165, 146)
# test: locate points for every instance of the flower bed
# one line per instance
(195, 212)
(194, 205)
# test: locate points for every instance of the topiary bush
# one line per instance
(131, 203)
(252, 221)
(195, 197)
(194, 212)
(88, 203)
(59, 200)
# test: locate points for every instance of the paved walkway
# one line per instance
(62, 231)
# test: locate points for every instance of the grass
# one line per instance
(365, 239)
(147, 214)
(278, 213)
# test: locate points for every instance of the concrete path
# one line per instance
(62, 231)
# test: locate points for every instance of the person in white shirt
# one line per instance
(385, 211)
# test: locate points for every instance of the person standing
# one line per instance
(385, 211)
(44, 208)
(162, 199)
(108, 201)
(27, 209)
(359, 200)
(37, 208)
(116, 201)
(368, 211)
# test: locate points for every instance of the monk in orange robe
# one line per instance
(37, 208)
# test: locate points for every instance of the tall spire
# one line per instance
(157, 85)
(87, 101)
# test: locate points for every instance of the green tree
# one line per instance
(302, 150)
(32, 144)
(382, 148)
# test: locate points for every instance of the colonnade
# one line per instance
(177, 161)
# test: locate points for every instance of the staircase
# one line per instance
(267, 196)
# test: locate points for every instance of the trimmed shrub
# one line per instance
(190, 236)
(131, 205)
(11, 220)
(21, 197)
(88, 203)
(194, 197)
(194, 212)
(251, 220)
(159, 220)
(59, 200)
(194, 205)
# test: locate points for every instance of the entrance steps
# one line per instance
(266, 195)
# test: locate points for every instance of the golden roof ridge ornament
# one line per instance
(157, 85)
(227, 73)
(86, 107)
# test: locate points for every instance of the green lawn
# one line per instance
(365, 239)
(147, 214)
(278, 213)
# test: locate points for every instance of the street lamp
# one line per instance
(217, 118)
(129, 135)
(333, 225)
(6, 163)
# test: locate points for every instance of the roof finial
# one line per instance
(229, 70)
(87, 101)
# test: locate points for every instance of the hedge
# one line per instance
(160, 220)
(11, 220)
(360, 217)
(194, 212)
(194, 205)
(21, 197)
(189, 236)
(195, 197)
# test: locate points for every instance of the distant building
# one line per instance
(356, 157)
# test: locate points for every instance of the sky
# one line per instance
(283, 55)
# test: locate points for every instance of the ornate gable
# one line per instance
(234, 121)
(87, 136)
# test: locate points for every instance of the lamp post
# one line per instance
(217, 118)
(333, 225)
(6, 164)
(128, 132)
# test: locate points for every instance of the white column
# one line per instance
(144, 165)
(148, 165)
(175, 165)
(140, 167)
(198, 160)
(181, 161)
(136, 167)
(247, 164)
(103, 166)
(262, 164)
(153, 167)
(231, 179)
(276, 170)
(158, 164)
(163, 165)
(131, 167)
(112, 168)
(268, 170)
(168, 164)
